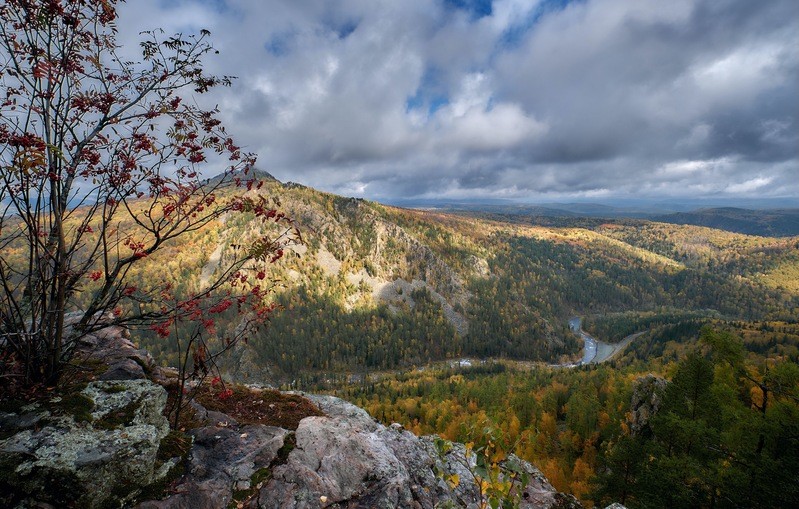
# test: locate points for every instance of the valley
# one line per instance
(377, 287)
(379, 305)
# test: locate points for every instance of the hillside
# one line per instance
(771, 222)
(765, 223)
(381, 288)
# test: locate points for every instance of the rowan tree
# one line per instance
(102, 162)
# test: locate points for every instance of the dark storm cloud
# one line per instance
(517, 99)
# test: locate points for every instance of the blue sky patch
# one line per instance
(217, 5)
(420, 102)
(431, 95)
(477, 8)
(345, 29)
(516, 32)
(280, 44)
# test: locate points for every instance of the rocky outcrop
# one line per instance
(419, 261)
(645, 401)
(91, 449)
(112, 348)
(224, 460)
(342, 459)
(337, 462)
(108, 445)
(400, 290)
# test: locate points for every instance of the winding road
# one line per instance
(596, 351)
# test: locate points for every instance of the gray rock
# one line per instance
(645, 401)
(223, 460)
(419, 460)
(11, 422)
(457, 462)
(339, 460)
(112, 346)
(340, 409)
(143, 398)
(124, 369)
(348, 461)
(539, 493)
(92, 463)
(211, 417)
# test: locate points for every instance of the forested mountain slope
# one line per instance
(377, 287)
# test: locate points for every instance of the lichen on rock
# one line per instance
(94, 463)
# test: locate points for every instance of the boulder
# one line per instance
(350, 461)
(113, 348)
(92, 449)
(339, 462)
(223, 461)
(343, 410)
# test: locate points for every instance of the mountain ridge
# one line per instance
(378, 287)
(764, 222)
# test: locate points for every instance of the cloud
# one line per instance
(750, 185)
(471, 121)
(525, 99)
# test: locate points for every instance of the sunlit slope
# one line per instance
(771, 261)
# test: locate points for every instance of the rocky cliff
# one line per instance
(109, 445)
(341, 459)
(645, 401)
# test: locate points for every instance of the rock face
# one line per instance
(344, 459)
(645, 402)
(222, 461)
(335, 461)
(97, 446)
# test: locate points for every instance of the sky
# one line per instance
(525, 100)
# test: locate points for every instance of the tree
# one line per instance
(100, 163)
(762, 443)
(622, 467)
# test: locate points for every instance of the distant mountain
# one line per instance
(506, 209)
(765, 223)
(762, 222)
(252, 174)
(609, 211)
(544, 210)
